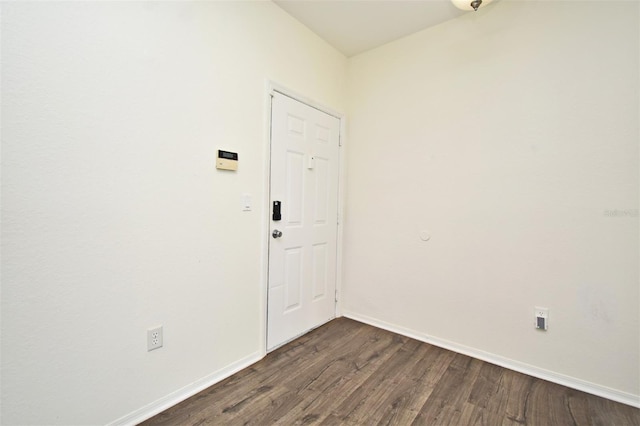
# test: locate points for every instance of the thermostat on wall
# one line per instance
(227, 160)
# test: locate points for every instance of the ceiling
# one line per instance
(355, 26)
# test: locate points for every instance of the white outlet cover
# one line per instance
(154, 338)
(543, 313)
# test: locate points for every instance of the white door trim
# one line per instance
(275, 87)
(270, 88)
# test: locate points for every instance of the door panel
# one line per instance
(293, 278)
(322, 183)
(294, 207)
(304, 178)
(319, 271)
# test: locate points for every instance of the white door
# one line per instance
(303, 243)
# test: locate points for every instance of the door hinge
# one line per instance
(339, 140)
(336, 296)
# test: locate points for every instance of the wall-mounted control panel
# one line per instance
(227, 160)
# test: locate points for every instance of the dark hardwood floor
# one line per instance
(348, 373)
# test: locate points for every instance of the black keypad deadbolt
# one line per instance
(276, 211)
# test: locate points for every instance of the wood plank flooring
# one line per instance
(348, 373)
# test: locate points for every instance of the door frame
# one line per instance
(272, 87)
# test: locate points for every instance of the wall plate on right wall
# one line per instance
(541, 318)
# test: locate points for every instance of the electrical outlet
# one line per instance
(541, 318)
(154, 338)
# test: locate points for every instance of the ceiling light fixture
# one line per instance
(473, 5)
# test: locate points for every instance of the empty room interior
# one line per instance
(484, 196)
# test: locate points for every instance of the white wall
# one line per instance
(511, 151)
(509, 135)
(114, 218)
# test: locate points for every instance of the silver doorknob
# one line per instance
(276, 233)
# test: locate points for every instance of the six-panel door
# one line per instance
(304, 178)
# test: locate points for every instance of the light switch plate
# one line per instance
(246, 202)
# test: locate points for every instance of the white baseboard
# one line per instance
(561, 379)
(188, 391)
